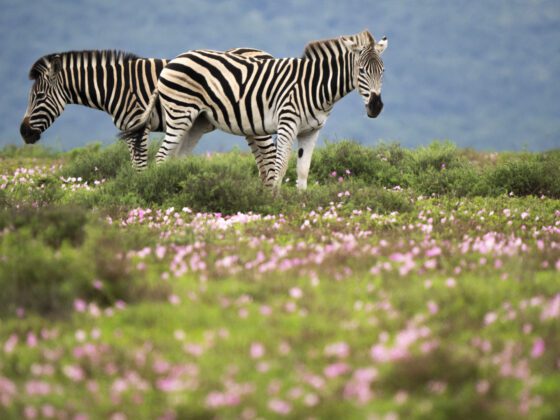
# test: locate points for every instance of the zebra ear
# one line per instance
(381, 45)
(55, 66)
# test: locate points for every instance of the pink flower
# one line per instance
(340, 349)
(280, 406)
(335, 369)
(490, 318)
(31, 340)
(450, 282)
(174, 299)
(30, 412)
(433, 252)
(36, 387)
(296, 292)
(74, 372)
(433, 307)
(538, 348)
(220, 399)
(265, 310)
(257, 350)
(80, 305)
(48, 410)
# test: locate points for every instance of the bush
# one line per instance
(456, 182)
(375, 166)
(95, 163)
(46, 280)
(37, 277)
(53, 225)
(528, 174)
(221, 183)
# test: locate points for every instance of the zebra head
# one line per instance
(368, 69)
(46, 99)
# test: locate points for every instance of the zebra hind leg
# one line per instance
(177, 129)
(199, 127)
(141, 153)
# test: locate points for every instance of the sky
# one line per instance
(483, 74)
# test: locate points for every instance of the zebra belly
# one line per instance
(313, 123)
(246, 127)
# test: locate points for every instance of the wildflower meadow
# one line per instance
(404, 284)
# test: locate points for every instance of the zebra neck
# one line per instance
(99, 80)
(334, 70)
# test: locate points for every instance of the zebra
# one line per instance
(290, 97)
(120, 84)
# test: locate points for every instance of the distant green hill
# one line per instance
(484, 74)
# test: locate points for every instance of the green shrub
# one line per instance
(527, 174)
(222, 183)
(348, 159)
(46, 280)
(53, 225)
(457, 182)
(37, 277)
(96, 163)
(437, 155)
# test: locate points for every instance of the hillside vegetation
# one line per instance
(403, 284)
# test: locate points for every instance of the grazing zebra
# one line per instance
(291, 97)
(118, 83)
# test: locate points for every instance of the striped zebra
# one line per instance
(120, 84)
(290, 97)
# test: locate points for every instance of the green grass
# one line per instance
(422, 284)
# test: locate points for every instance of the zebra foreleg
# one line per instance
(306, 145)
(176, 130)
(264, 151)
(284, 141)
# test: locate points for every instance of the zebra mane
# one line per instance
(362, 38)
(112, 56)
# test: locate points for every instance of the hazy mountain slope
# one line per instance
(484, 74)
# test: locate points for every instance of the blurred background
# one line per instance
(484, 74)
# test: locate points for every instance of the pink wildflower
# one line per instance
(538, 348)
(257, 350)
(296, 292)
(279, 406)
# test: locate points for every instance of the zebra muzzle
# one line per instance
(374, 106)
(28, 133)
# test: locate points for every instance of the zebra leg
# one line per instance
(140, 159)
(132, 152)
(264, 151)
(284, 141)
(306, 144)
(176, 129)
(200, 127)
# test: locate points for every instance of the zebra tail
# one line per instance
(136, 132)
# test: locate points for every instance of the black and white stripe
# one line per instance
(116, 82)
(290, 97)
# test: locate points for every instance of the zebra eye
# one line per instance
(40, 95)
